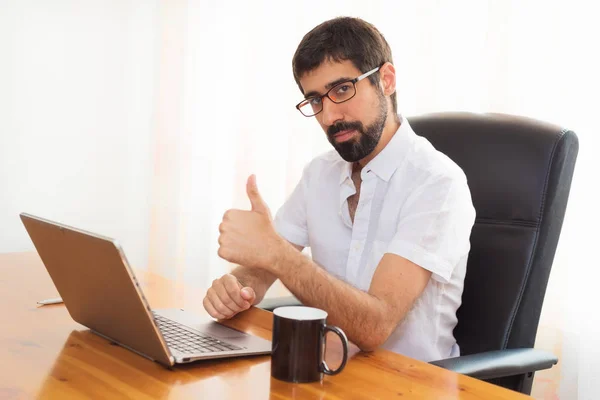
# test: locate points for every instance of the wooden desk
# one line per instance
(45, 354)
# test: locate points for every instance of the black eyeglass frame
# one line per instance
(352, 81)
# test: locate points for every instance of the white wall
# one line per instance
(76, 106)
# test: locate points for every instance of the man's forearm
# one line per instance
(257, 279)
(361, 315)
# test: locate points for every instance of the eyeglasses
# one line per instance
(340, 93)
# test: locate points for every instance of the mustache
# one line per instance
(344, 126)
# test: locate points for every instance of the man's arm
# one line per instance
(368, 318)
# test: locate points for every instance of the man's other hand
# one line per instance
(227, 297)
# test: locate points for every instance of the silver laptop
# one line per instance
(101, 292)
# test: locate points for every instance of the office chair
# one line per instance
(519, 171)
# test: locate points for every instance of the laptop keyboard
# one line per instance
(187, 340)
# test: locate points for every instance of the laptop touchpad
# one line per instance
(215, 329)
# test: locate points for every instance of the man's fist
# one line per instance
(227, 297)
(248, 238)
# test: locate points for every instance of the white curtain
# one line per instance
(142, 119)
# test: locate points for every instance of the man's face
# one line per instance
(354, 127)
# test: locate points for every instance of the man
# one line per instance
(386, 216)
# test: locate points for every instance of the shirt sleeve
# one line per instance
(290, 220)
(435, 225)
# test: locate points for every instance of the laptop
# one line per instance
(100, 291)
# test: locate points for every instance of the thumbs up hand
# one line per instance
(249, 238)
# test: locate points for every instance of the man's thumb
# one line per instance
(248, 294)
(257, 202)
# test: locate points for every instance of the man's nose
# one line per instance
(331, 112)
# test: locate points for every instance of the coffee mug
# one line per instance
(298, 345)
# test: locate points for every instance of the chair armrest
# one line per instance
(272, 303)
(499, 363)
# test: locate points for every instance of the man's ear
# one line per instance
(387, 78)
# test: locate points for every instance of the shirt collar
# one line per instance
(389, 159)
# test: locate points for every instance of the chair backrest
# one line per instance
(519, 171)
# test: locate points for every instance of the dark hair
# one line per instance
(341, 39)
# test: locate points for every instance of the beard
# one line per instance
(358, 148)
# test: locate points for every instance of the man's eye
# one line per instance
(314, 101)
(342, 89)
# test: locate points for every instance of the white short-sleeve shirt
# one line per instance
(414, 202)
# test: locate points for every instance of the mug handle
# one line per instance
(342, 335)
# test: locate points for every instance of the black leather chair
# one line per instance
(519, 171)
